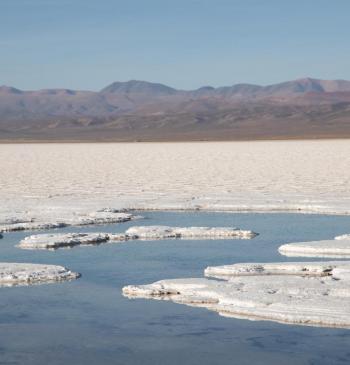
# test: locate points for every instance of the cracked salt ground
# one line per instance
(177, 177)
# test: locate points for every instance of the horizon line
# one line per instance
(307, 78)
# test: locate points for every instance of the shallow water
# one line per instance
(88, 321)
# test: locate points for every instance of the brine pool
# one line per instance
(88, 321)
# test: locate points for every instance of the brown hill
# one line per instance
(139, 110)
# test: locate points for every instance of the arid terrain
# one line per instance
(144, 111)
(60, 179)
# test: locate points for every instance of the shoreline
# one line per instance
(173, 141)
(54, 218)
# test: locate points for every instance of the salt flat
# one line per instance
(62, 179)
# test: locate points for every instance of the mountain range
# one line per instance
(145, 111)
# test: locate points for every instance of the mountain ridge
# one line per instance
(141, 110)
(133, 83)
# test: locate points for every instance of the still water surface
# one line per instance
(88, 321)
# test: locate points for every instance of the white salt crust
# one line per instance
(104, 216)
(161, 232)
(55, 241)
(13, 274)
(264, 176)
(275, 268)
(314, 293)
(326, 248)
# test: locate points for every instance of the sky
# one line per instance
(87, 44)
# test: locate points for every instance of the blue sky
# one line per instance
(87, 44)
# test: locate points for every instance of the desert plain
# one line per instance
(60, 179)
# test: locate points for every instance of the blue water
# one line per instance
(88, 321)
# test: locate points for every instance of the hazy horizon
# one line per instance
(179, 89)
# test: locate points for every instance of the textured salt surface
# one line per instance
(55, 241)
(160, 232)
(13, 274)
(104, 216)
(305, 293)
(327, 248)
(49, 182)
(275, 268)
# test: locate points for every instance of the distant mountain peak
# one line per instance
(138, 86)
(58, 91)
(308, 84)
(307, 79)
(207, 87)
(9, 90)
